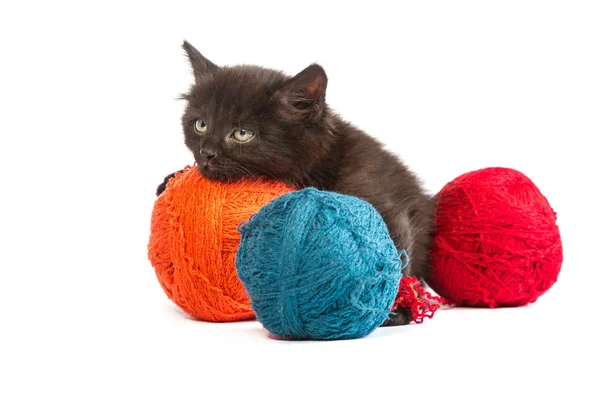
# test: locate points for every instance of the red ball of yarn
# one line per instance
(496, 242)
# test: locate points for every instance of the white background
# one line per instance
(90, 125)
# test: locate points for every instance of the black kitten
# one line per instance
(247, 120)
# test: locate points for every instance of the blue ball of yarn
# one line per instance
(318, 265)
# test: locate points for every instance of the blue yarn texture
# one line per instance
(318, 265)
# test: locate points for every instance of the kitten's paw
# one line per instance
(402, 316)
(161, 188)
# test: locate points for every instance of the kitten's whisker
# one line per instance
(260, 145)
(264, 172)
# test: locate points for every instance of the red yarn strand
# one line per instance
(421, 303)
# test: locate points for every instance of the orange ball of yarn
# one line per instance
(194, 240)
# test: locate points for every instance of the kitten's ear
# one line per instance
(305, 92)
(201, 65)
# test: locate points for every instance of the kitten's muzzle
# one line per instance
(208, 154)
(207, 158)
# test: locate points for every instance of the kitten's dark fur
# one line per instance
(299, 140)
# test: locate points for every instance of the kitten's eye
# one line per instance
(200, 126)
(243, 135)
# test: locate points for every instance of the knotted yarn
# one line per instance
(318, 265)
(194, 239)
(413, 296)
(495, 242)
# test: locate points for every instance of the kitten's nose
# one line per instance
(208, 154)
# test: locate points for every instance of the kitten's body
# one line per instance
(301, 142)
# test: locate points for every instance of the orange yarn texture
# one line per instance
(194, 239)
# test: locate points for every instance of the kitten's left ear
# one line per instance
(305, 92)
(201, 65)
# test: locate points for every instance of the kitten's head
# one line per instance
(251, 121)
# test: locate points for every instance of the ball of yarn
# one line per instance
(496, 242)
(194, 239)
(319, 265)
